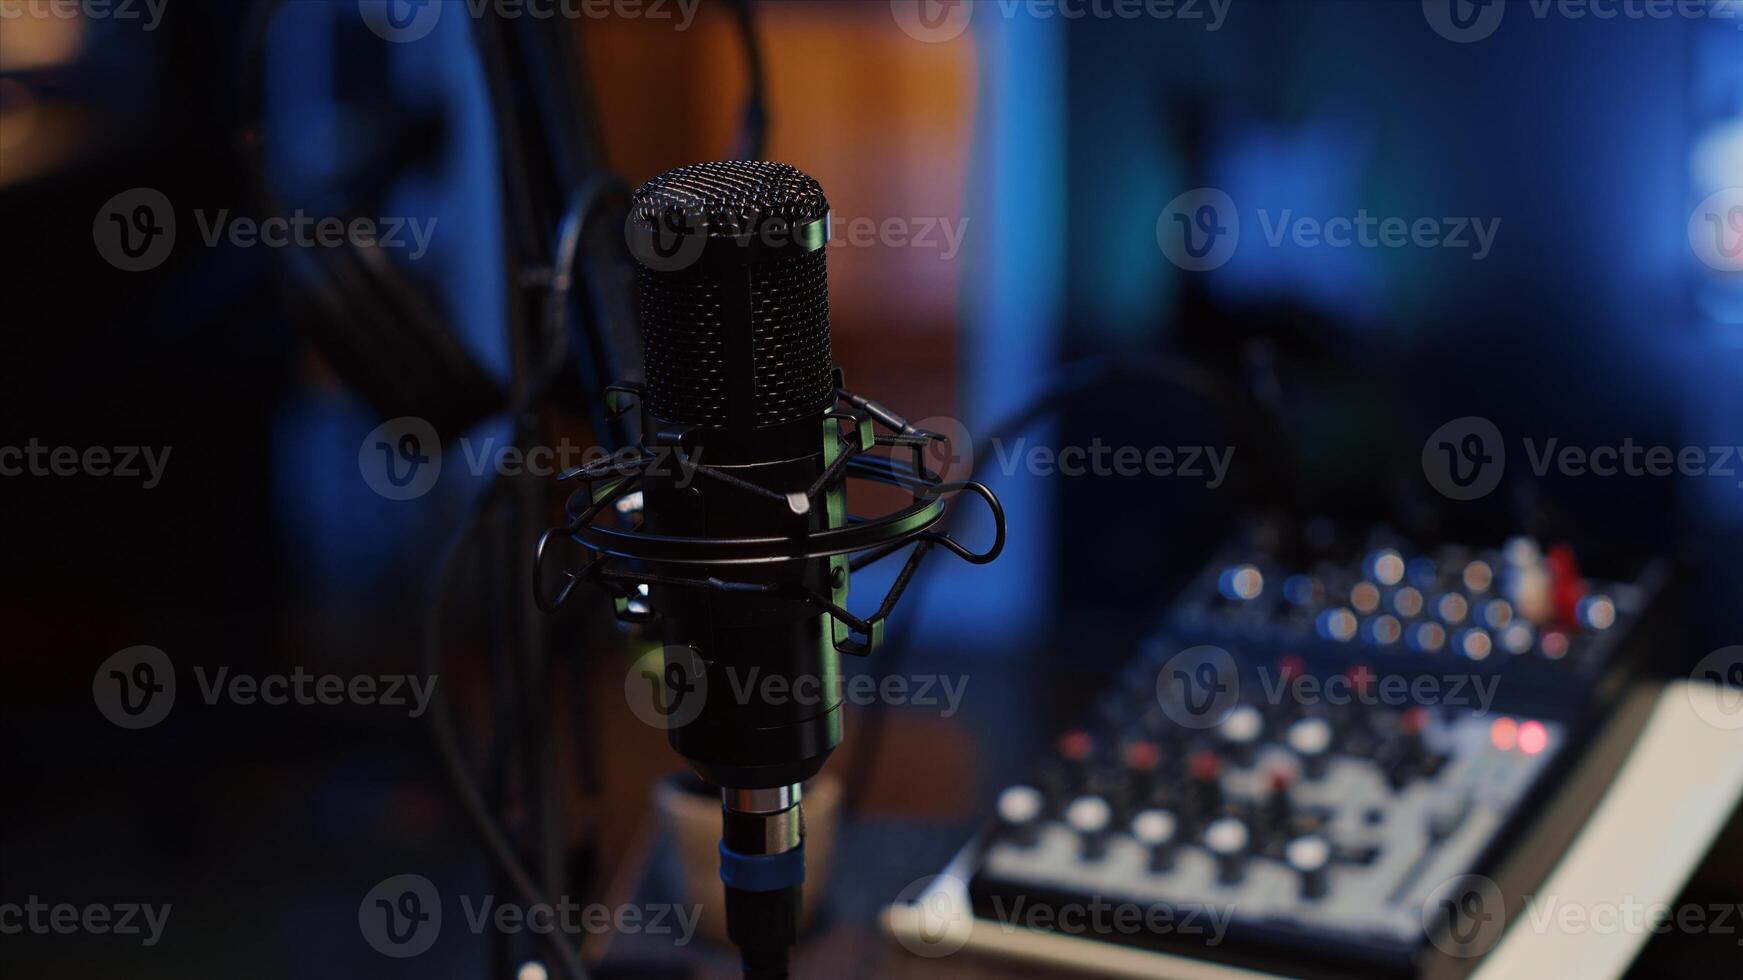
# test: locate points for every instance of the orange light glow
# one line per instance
(1505, 734)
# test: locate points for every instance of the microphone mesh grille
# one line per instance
(731, 196)
(695, 343)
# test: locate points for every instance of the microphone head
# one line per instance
(734, 295)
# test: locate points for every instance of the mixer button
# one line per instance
(1241, 730)
(1426, 637)
(1157, 830)
(1310, 856)
(1310, 739)
(1019, 809)
(1407, 602)
(1337, 624)
(1241, 583)
(1227, 840)
(1090, 817)
(1596, 612)
(1385, 566)
(1474, 643)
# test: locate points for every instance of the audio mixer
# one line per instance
(1318, 741)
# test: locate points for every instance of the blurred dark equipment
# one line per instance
(733, 538)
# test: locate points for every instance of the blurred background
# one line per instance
(1001, 184)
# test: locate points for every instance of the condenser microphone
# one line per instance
(735, 321)
(741, 558)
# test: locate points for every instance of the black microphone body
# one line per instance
(734, 302)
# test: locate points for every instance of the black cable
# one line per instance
(442, 731)
(753, 138)
(1076, 380)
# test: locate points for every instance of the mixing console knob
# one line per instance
(1474, 643)
(1204, 788)
(1065, 773)
(1310, 856)
(1241, 731)
(1338, 625)
(1241, 583)
(1156, 830)
(1227, 840)
(1402, 758)
(1310, 738)
(1277, 811)
(1385, 566)
(1526, 582)
(1019, 809)
(1090, 816)
(1427, 637)
(1596, 612)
